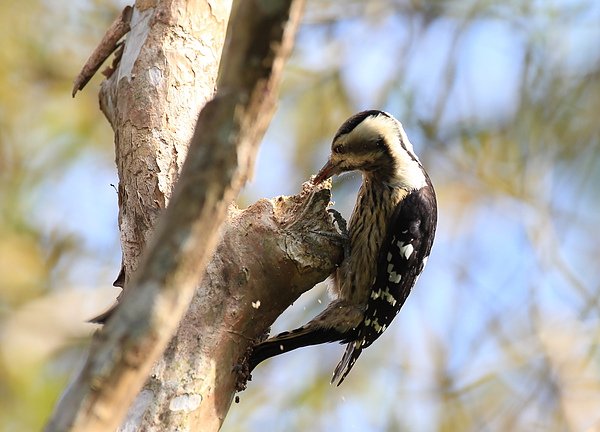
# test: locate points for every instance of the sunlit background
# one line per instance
(501, 100)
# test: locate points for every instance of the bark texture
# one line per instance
(149, 154)
(167, 73)
(268, 255)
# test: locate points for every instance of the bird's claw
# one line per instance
(340, 221)
(342, 238)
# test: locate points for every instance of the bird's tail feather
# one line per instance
(288, 341)
(353, 350)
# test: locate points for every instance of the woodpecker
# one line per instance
(391, 232)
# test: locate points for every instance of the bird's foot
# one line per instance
(342, 237)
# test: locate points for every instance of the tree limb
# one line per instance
(109, 43)
(221, 154)
(268, 255)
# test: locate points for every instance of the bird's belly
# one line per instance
(357, 274)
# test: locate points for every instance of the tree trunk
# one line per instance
(167, 73)
(151, 100)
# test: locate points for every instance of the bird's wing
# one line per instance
(401, 260)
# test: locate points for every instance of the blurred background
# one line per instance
(501, 100)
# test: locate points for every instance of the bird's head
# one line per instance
(374, 143)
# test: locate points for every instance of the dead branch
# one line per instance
(108, 44)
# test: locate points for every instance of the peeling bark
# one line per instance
(167, 73)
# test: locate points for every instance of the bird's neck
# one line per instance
(409, 178)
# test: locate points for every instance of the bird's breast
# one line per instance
(367, 229)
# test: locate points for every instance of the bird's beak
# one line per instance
(327, 171)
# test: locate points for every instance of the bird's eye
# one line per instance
(380, 143)
(338, 149)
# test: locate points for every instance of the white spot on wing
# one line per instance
(394, 277)
(390, 268)
(389, 256)
(389, 297)
(407, 250)
(376, 326)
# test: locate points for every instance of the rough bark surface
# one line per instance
(219, 161)
(167, 73)
(268, 255)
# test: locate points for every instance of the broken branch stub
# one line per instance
(268, 255)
